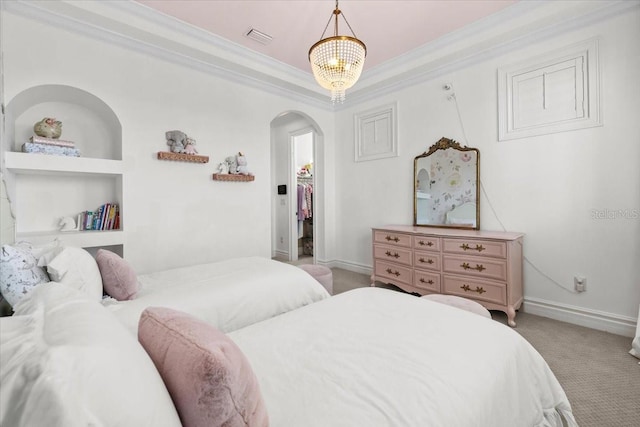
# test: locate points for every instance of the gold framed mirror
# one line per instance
(446, 186)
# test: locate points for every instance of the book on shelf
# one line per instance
(106, 217)
(33, 147)
(51, 141)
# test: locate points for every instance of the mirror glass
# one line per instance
(446, 186)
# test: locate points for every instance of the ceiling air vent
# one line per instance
(258, 36)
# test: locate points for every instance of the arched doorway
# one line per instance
(296, 232)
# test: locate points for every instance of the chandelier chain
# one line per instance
(350, 29)
(325, 28)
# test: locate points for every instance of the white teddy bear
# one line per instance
(242, 164)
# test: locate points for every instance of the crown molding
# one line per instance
(133, 26)
(436, 59)
(166, 38)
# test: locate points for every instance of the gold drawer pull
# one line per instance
(426, 281)
(394, 238)
(466, 247)
(422, 243)
(429, 261)
(396, 273)
(478, 267)
(478, 289)
(394, 255)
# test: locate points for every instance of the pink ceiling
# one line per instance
(388, 28)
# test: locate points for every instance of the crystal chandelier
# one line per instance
(337, 61)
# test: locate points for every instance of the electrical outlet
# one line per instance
(281, 239)
(580, 283)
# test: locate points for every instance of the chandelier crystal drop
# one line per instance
(337, 61)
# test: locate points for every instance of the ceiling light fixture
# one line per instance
(337, 61)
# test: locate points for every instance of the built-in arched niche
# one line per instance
(86, 119)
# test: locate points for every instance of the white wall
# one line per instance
(545, 186)
(175, 213)
(304, 151)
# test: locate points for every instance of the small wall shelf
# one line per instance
(232, 177)
(193, 158)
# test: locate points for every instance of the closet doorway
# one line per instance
(287, 128)
(302, 229)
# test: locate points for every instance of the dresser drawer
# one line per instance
(390, 238)
(475, 266)
(394, 272)
(475, 289)
(426, 243)
(426, 280)
(475, 247)
(428, 260)
(393, 254)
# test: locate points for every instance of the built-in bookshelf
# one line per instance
(44, 188)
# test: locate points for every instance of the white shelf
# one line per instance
(83, 239)
(44, 188)
(36, 163)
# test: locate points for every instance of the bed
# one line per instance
(376, 357)
(228, 294)
(463, 215)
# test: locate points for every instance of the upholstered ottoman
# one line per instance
(463, 303)
(322, 274)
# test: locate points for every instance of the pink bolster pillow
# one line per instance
(208, 377)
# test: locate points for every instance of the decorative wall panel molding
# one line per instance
(556, 92)
(376, 133)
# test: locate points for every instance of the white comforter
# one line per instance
(228, 294)
(374, 357)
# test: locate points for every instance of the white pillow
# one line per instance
(75, 267)
(19, 272)
(65, 360)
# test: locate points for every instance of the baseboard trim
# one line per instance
(281, 254)
(594, 319)
(351, 266)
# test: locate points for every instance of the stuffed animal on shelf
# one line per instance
(176, 140)
(48, 127)
(223, 168)
(242, 164)
(189, 147)
(233, 164)
(68, 224)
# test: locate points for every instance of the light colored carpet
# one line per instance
(600, 377)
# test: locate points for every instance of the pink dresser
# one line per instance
(484, 266)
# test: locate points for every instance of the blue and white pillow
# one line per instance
(19, 272)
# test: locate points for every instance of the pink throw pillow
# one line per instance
(118, 278)
(208, 377)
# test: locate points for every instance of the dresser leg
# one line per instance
(511, 316)
(373, 281)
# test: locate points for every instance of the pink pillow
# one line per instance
(118, 278)
(207, 375)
